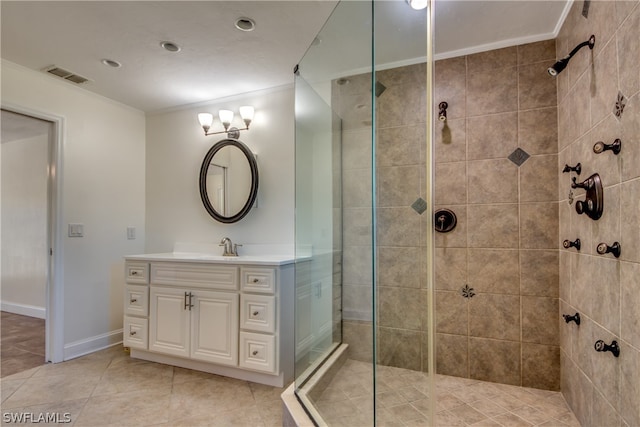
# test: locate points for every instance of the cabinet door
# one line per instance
(169, 321)
(214, 327)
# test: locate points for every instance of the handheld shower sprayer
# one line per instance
(442, 114)
(557, 68)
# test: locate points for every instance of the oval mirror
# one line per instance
(229, 180)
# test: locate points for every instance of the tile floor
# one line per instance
(21, 343)
(402, 398)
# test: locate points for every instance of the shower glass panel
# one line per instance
(363, 215)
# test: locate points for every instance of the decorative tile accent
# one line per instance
(419, 205)
(380, 88)
(519, 156)
(619, 107)
(585, 8)
(467, 292)
(570, 197)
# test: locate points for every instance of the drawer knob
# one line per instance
(256, 280)
(255, 313)
(134, 273)
(132, 333)
(255, 352)
(133, 300)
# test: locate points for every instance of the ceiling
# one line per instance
(217, 60)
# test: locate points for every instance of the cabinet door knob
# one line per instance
(133, 300)
(256, 280)
(255, 352)
(132, 333)
(255, 313)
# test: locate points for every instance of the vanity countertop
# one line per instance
(209, 258)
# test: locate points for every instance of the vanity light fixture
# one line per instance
(226, 117)
(557, 68)
(418, 4)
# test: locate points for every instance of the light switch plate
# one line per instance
(76, 230)
(131, 233)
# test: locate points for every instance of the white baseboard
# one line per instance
(92, 344)
(24, 309)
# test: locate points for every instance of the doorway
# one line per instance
(28, 156)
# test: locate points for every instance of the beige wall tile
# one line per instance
(450, 268)
(452, 313)
(538, 130)
(606, 369)
(357, 302)
(605, 279)
(492, 91)
(580, 104)
(605, 81)
(356, 149)
(456, 238)
(357, 265)
(399, 266)
(494, 360)
(492, 59)
(629, 54)
(631, 139)
(450, 143)
(540, 320)
(494, 271)
(398, 227)
(399, 308)
(536, 52)
(401, 348)
(415, 74)
(450, 183)
(452, 355)
(536, 89)
(538, 225)
(493, 226)
(359, 336)
(630, 214)
(607, 228)
(495, 316)
(539, 272)
(565, 276)
(492, 181)
(577, 390)
(492, 136)
(630, 302)
(450, 85)
(629, 385)
(603, 23)
(399, 146)
(394, 110)
(357, 226)
(356, 188)
(606, 164)
(602, 413)
(539, 179)
(541, 366)
(398, 185)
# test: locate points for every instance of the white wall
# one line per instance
(176, 147)
(24, 225)
(103, 188)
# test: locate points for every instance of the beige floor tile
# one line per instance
(62, 411)
(52, 389)
(139, 408)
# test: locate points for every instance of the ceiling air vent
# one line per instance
(65, 74)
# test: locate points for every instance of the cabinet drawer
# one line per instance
(262, 280)
(136, 300)
(194, 275)
(136, 332)
(258, 313)
(136, 272)
(258, 352)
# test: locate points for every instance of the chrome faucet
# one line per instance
(230, 249)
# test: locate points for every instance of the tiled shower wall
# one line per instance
(602, 390)
(496, 168)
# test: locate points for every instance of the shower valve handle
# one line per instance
(575, 318)
(569, 244)
(601, 147)
(586, 184)
(577, 168)
(614, 249)
(613, 347)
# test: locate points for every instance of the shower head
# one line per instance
(557, 68)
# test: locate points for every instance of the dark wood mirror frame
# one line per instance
(254, 180)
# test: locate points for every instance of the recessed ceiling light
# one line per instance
(170, 46)
(245, 24)
(111, 63)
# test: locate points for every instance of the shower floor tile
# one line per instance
(402, 400)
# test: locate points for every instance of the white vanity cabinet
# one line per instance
(228, 317)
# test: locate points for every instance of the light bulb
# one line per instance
(206, 120)
(246, 112)
(226, 116)
(418, 4)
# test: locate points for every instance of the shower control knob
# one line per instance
(587, 184)
(614, 249)
(575, 318)
(577, 168)
(584, 207)
(613, 347)
(568, 244)
(615, 146)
